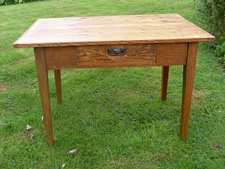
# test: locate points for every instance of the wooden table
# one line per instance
(114, 41)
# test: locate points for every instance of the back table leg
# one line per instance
(58, 86)
(42, 73)
(165, 75)
(188, 80)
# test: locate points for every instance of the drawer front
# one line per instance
(115, 55)
(121, 55)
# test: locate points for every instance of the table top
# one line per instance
(101, 30)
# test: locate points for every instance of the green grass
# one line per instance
(113, 117)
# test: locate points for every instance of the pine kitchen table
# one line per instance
(114, 41)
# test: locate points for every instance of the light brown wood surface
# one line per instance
(97, 56)
(42, 74)
(188, 84)
(99, 30)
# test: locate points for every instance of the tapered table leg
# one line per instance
(188, 80)
(58, 85)
(165, 75)
(42, 73)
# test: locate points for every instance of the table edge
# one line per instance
(86, 43)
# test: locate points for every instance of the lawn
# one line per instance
(113, 117)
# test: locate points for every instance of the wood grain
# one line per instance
(102, 30)
(42, 74)
(97, 56)
(188, 80)
(172, 54)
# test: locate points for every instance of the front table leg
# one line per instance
(188, 80)
(42, 73)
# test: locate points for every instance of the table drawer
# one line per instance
(115, 55)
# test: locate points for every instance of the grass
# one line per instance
(113, 117)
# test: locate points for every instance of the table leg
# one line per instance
(165, 75)
(58, 86)
(188, 80)
(42, 73)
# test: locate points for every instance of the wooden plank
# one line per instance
(99, 30)
(42, 74)
(188, 80)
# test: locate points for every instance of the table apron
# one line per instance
(116, 55)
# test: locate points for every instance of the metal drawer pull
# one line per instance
(117, 51)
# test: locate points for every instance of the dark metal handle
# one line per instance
(116, 51)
